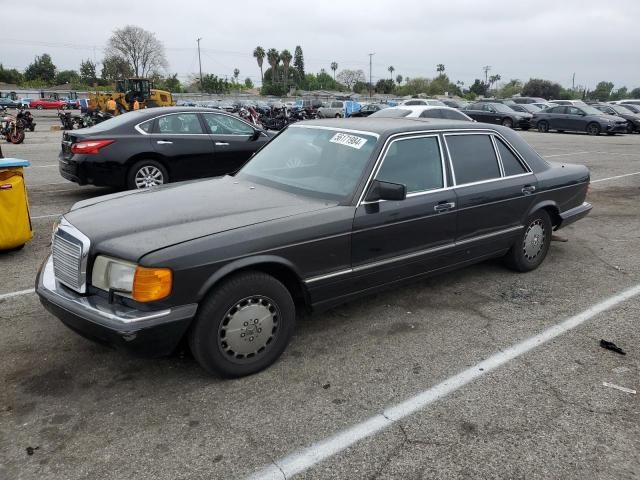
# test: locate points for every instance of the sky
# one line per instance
(595, 39)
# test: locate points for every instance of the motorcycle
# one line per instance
(11, 129)
(26, 118)
(250, 114)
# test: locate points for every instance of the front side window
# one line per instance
(510, 162)
(473, 158)
(226, 125)
(413, 162)
(573, 111)
(183, 123)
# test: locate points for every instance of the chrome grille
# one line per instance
(69, 250)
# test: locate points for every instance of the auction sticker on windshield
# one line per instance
(348, 140)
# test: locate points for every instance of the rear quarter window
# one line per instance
(510, 162)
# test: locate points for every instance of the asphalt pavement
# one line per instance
(70, 409)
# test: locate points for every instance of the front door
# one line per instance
(392, 240)
(183, 144)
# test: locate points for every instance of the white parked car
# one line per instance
(424, 101)
(422, 111)
(331, 109)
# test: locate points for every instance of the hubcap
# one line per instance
(149, 176)
(533, 240)
(248, 328)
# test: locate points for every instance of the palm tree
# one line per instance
(494, 79)
(334, 67)
(236, 74)
(440, 69)
(399, 79)
(391, 70)
(286, 61)
(259, 54)
(273, 57)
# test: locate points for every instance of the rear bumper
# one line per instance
(150, 333)
(82, 170)
(574, 214)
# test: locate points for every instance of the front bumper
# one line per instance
(574, 214)
(524, 123)
(617, 128)
(151, 333)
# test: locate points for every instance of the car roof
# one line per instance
(421, 108)
(389, 126)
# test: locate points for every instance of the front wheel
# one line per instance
(16, 137)
(338, 115)
(531, 248)
(147, 174)
(507, 122)
(593, 129)
(243, 325)
(543, 126)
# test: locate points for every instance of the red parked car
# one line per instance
(40, 103)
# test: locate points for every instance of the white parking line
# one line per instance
(16, 294)
(565, 154)
(614, 178)
(44, 166)
(305, 458)
(46, 216)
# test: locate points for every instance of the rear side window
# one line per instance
(510, 162)
(452, 115)
(473, 158)
(146, 126)
(431, 113)
(413, 162)
(183, 123)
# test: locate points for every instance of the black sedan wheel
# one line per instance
(243, 326)
(543, 126)
(593, 129)
(532, 246)
(147, 174)
(630, 127)
(507, 122)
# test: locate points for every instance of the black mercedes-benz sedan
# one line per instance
(498, 113)
(578, 118)
(154, 146)
(327, 211)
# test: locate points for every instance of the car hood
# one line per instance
(129, 225)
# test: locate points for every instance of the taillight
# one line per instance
(90, 147)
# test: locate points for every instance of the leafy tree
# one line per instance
(511, 88)
(259, 55)
(478, 87)
(114, 68)
(385, 85)
(635, 93)
(351, 77)
(360, 87)
(213, 84)
(286, 57)
(399, 79)
(619, 94)
(42, 68)
(140, 48)
(88, 72)
(298, 61)
(602, 91)
(66, 76)
(391, 70)
(537, 87)
(248, 83)
(10, 75)
(414, 86)
(334, 67)
(170, 83)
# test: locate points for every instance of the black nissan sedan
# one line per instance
(329, 210)
(578, 118)
(498, 113)
(154, 146)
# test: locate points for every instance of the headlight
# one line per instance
(130, 280)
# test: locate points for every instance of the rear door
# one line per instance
(186, 148)
(495, 190)
(234, 141)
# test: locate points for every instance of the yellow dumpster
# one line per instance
(15, 223)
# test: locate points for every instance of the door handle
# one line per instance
(444, 206)
(164, 142)
(528, 189)
(222, 144)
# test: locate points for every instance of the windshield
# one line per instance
(391, 113)
(118, 121)
(621, 110)
(318, 162)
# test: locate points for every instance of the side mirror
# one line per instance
(256, 135)
(386, 191)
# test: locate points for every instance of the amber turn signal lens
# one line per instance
(151, 284)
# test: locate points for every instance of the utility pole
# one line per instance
(573, 81)
(486, 69)
(200, 64)
(370, 66)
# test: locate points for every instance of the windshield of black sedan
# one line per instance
(319, 162)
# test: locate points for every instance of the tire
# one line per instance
(593, 129)
(525, 128)
(532, 246)
(543, 126)
(338, 115)
(17, 137)
(507, 122)
(147, 174)
(39, 107)
(630, 127)
(259, 295)
(560, 131)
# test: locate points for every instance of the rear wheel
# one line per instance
(560, 131)
(593, 129)
(338, 115)
(39, 107)
(543, 126)
(507, 122)
(532, 246)
(17, 136)
(147, 174)
(243, 326)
